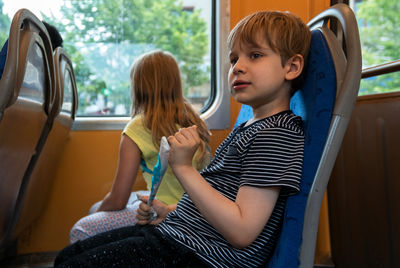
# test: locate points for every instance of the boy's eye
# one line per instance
(255, 55)
(233, 60)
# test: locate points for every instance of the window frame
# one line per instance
(216, 112)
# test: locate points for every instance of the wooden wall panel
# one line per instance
(364, 190)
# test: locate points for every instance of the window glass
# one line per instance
(67, 104)
(380, 84)
(4, 24)
(103, 38)
(378, 22)
(34, 82)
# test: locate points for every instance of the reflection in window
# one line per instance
(34, 83)
(67, 99)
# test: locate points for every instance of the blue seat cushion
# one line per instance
(314, 102)
(245, 114)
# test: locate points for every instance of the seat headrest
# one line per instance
(314, 102)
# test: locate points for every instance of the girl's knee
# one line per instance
(102, 222)
(83, 229)
(77, 233)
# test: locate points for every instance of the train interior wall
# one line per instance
(363, 192)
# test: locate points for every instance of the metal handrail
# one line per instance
(381, 69)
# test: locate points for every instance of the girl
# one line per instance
(159, 109)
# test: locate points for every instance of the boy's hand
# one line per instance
(160, 208)
(184, 144)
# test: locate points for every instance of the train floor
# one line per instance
(46, 259)
(37, 260)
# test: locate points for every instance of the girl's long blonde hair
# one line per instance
(156, 89)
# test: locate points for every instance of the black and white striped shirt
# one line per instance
(269, 152)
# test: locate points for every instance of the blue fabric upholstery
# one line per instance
(314, 102)
(245, 114)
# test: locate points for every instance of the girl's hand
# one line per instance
(143, 212)
(184, 144)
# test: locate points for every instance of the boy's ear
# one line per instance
(295, 65)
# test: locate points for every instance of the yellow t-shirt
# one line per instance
(170, 190)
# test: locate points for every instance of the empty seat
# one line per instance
(26, 96)
(63, 111)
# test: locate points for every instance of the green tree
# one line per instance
(4, 24)
(380, 39)
(129, 28)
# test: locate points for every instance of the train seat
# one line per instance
(63, 111)
(26, 92)
(325, 102)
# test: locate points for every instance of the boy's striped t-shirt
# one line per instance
(267, 153)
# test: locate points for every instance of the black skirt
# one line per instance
(132, 246)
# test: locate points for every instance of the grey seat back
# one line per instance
(63, 109)
(26, 97)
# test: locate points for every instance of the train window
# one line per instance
(103, 38)
(380, 42)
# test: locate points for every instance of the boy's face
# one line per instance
(256, 76)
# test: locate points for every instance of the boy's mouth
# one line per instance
(239, 84)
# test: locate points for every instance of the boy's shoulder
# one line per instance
(286, 120)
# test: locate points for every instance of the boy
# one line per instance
(231, 212)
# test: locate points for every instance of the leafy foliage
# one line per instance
(103, 38)
(380, 39)
(4, 24)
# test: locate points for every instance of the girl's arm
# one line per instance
(128, 165)
(239, 222)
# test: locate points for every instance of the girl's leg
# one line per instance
(103, 221)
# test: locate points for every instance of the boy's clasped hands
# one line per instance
(183, 146)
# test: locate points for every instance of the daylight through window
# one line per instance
(103, 38)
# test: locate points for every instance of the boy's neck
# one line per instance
(254, 118)
(251, 121)
(263, 112)
(278, 104)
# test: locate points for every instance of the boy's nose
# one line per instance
(239, 67)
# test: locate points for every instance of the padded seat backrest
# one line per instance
(64, 109)
(314, 102)
(26, 92)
